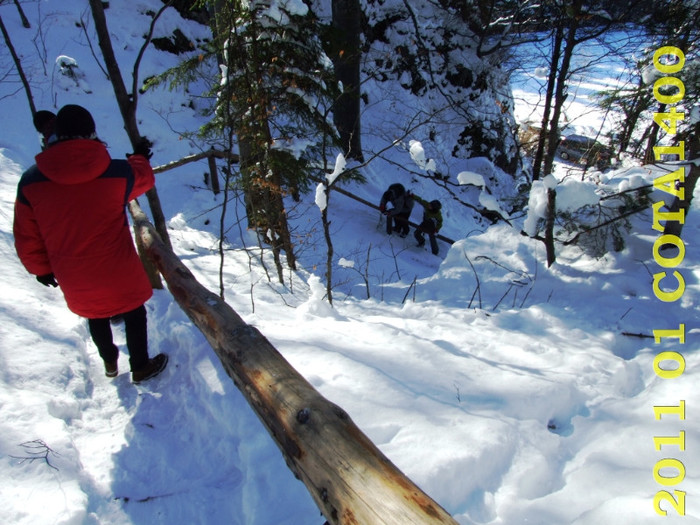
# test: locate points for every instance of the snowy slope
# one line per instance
(517, 400)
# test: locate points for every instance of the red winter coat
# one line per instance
(70, 220)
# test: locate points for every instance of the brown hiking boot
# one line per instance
(112, 369)
(154, 367)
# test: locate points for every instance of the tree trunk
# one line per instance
(25, 22)
(560, 92)
(653, 138)
(127, 107)
(18, 65)
(549, 95)
(553, 132)
(350, 480)
(346, 55)
(263, 196)
(640, 103)
(549, 226)
(329, 245)
(691, 179)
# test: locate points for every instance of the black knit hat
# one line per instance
(44, 121)
(74, 122)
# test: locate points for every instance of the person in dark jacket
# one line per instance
(45, 124)
(401, 206)
(432, 222)
(71, 230)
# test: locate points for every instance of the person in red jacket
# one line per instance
(71, 230)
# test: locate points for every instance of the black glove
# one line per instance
(47, 280)
(142, 147)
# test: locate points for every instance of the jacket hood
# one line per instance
(74, 161)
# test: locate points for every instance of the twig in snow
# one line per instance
(478, 283)
(36, 449)
(413, 285)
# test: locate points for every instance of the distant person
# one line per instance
(45, 124)
(71, 231)
(432, 222)
(401, 205)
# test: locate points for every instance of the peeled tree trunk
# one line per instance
(350, 480)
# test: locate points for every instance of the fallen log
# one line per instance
(349, 478)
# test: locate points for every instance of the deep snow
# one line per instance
(518, 401)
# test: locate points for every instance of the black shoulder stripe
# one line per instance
(120, 168)
(31, 176)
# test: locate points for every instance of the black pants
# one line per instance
(429, 228)
(397, 223)
(135, 327)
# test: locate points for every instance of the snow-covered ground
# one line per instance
(510, 392)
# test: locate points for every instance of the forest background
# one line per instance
(425, 98)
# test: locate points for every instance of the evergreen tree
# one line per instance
(274, 92)
(673, 23)
(666, 23)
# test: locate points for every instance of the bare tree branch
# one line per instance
(18, 65)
